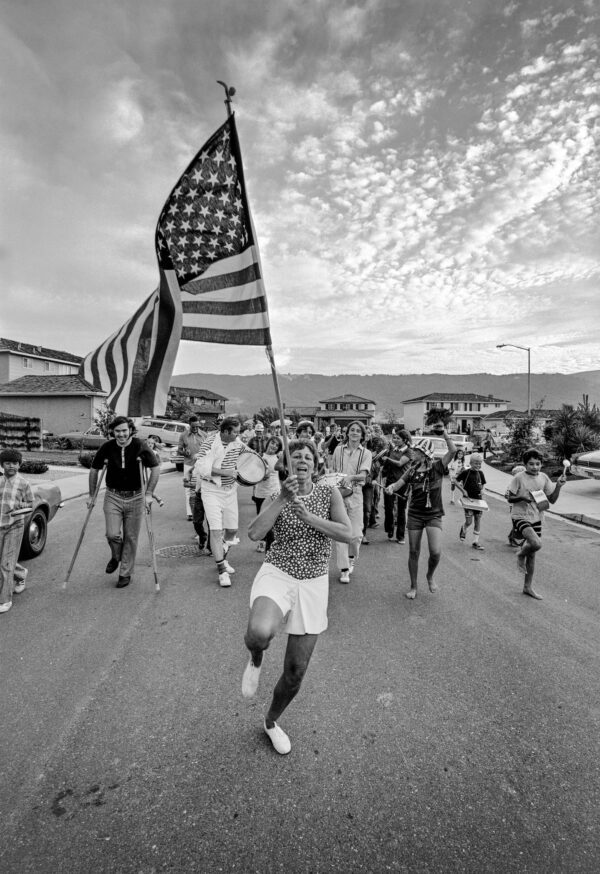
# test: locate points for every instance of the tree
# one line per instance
(574, 430)
(177, 407)
(103, 417)
(267, 415)
(520, 435)
(438, 414)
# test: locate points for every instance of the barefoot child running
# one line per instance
(530, 493)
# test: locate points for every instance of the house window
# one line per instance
(28, 363)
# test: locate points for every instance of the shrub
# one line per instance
(33, 467)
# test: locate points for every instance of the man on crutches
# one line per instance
(125, 501)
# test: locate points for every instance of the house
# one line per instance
(499, 422)
(23, 359)
(207, 405)
(468, 410)
(344, 409)
(63, 403)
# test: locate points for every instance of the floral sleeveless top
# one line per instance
(298, 549)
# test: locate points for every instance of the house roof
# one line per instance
(459, 396)
(518, 414)
(69, 384)
(347, 399)
(305, 411)
(37, 351)
(198, 392)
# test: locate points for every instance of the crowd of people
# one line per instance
(319, 493)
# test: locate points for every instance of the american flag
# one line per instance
(205, 241)
(210, 288)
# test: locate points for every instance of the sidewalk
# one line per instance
(579, 499)
(73, 481)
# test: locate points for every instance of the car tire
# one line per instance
(35, 535)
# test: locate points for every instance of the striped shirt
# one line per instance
(15, 492)
(214, 454)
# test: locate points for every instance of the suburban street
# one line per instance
(455, 733)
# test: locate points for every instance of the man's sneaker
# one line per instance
(112, 566)
(345, 577)
(351, 568)
(4, 608)
(390, 536)
(250, 679)
(462, 533)
(19, 585)
(478, 546)
(401, 540)
(279, 739)
(228, 568)
(364, 541)
(224, 580)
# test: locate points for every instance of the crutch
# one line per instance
(87, 519)
(148, 515)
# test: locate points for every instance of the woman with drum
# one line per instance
(215, 473)
(293, 582)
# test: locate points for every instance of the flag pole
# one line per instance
(229, 93)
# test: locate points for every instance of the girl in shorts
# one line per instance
(425, 509)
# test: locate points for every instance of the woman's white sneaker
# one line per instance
(228, 568)
(279, 739)
(250, 679)
(224, 580)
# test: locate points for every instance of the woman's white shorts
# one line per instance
(303, 602)
(220, 507)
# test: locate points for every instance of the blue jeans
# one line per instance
(123, 517)
(10, 544)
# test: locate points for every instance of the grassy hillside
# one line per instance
(246, 394)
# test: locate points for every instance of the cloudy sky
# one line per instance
(424, 174)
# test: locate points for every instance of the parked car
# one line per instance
(166, 431)
(47, 500)
(90, 439)
(462, 441)
(439, 445)
(587, 464)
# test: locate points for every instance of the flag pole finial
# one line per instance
(229, 92)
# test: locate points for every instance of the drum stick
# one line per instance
(86, 520)
(149, 530)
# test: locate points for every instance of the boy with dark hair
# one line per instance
(15, 494)
(530, 493)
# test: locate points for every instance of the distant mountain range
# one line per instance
(247, 394)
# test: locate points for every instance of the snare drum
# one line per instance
(251, 469)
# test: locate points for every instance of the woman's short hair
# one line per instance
(122, 420)
(405, 435)
(302, 444)
(305, 425)
(360, 425)
(229, 423)
(275, 439)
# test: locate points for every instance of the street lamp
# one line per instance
(528, 350)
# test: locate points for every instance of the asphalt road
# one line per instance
(455, 733)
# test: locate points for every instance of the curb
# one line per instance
(580, 518)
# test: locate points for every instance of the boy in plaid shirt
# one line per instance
(15, 493)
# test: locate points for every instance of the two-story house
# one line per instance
(468, 410)
(344, 409)
(207, 405)
(45, 384)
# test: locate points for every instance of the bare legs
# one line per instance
(265, 619)
(526, 561)
(434, 542)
